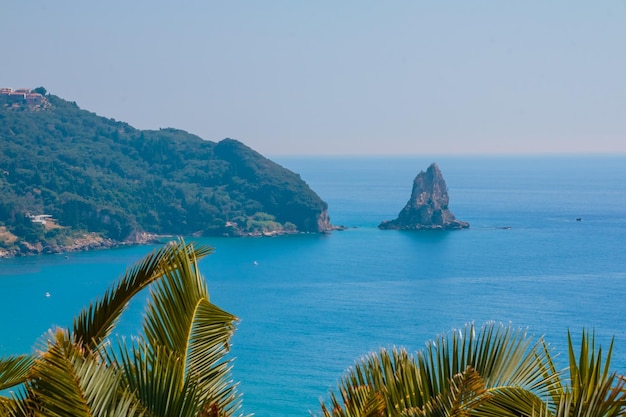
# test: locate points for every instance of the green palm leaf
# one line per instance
(501, 355)
(66, 382)
(380, 384)
(14, 370)
(212, 328)
(156, 378)
(185, 342)
(512, 401)
(594, 390)
(358, 402)
(591, 390)
(459, 374)
(467, 390)
(96, 322)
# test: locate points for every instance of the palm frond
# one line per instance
(15, 406)
(594, 390)
(95, 323)
(156, 377)
(467, 391)
(400, 379)
(68, 382)
(512, 401)
(456, 374)
(356, 401)
(14, 370)
(173, 302)
(382, 383)
(212, 328)
(501, 355)
(182, 325)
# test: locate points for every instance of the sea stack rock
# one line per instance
(428, 207)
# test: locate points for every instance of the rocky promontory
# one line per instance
(73, 180)
(427, 209)
(79, 242)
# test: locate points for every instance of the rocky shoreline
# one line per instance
(81, 243)
(94, 241)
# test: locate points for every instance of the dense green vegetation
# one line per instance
(100, 175)
(177, 365)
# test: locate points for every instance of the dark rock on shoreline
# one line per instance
(80, 243)
(427, 209)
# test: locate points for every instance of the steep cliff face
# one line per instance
(273, 188)
(427, 208)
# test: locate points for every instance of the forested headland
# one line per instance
(69, 176)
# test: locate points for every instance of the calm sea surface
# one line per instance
(311, 305)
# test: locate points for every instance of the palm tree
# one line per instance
(176, 367)
(496, 371)
(593, 389)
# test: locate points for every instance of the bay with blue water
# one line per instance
(311, 305)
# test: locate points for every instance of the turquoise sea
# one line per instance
(310, 305)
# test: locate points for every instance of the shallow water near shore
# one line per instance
(310, 305)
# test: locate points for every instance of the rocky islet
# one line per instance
(427, 209)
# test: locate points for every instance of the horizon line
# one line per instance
(603, 154)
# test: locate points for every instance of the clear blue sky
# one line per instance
(336, 77)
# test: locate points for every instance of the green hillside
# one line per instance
(97, 175)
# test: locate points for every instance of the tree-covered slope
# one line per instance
(99, 175)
